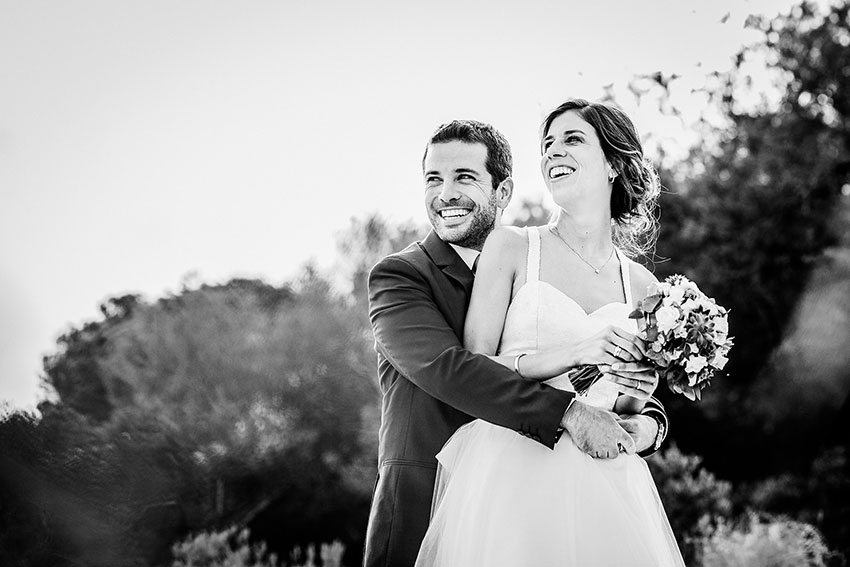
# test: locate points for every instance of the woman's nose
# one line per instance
(556, 149)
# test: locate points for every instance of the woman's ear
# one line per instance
(612, 171)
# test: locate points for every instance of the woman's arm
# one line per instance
(498, 268)
(501, 271)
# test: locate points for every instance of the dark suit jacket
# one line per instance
(431, 386)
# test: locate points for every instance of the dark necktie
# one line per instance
(475, 265)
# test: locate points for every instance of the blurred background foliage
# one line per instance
(250, 405)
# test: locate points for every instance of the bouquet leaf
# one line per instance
(650, 304)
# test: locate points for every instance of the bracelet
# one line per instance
(659, 436)
(516, 363)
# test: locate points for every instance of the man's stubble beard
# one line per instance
(482, 225)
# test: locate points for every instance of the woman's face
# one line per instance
(573, 165)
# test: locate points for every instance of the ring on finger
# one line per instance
(617, 351)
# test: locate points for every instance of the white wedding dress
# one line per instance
(503, 500)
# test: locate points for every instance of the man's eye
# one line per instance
(465, 177)
(432, 180)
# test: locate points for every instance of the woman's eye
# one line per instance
(573, 139)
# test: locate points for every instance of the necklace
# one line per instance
(554, 230)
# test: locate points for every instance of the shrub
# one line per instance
(690, 494)
(232, 548)
(769, 541)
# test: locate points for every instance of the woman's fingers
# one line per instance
(624, 350)
(637, 346)
(639, 384)
(614, 344)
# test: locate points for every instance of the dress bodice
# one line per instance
(541, 317)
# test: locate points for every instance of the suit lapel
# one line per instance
(448, 260)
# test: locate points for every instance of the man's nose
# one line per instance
(449, 192)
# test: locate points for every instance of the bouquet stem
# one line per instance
(583, 377)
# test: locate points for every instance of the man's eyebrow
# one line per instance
(432, 172)
(466, 170)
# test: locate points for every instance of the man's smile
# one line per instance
(454, 213)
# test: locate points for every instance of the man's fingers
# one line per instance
(627, 443)
(627, 424)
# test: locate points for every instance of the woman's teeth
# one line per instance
(560, 171)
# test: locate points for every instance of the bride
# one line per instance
(548, 299)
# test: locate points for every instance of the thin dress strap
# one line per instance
(532, 264)
(624, 274)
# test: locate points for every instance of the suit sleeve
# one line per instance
(655, 409)
(417, 340)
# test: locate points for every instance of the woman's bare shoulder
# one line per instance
(506, 239)
(641, 279)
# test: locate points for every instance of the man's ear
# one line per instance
(504, 192)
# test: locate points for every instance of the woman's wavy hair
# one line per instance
(634, 199)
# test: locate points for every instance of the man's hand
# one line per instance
(596, 431)
(641, 428)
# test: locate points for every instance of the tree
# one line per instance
(211, 404)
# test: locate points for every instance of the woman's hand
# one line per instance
(636, 379)
(609, 346)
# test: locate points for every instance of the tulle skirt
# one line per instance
(502, 500)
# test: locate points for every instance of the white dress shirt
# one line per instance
(468, 255)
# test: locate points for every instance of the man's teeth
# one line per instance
(560, 171)
(453, 213)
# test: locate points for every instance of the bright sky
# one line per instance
(143, 141)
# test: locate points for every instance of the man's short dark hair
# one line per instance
(499, 162)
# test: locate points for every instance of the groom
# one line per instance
(431, 385)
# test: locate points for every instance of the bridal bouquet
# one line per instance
(687, 336)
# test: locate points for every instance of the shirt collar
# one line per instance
(468, 255)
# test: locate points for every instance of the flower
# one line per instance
(721, 326)
(695, 364)
(719, 360)
(677, 293)
(667, 317)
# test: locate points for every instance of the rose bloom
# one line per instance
(667, 317)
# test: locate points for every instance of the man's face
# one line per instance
(459, 196)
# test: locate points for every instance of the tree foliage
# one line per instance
(201, 407)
